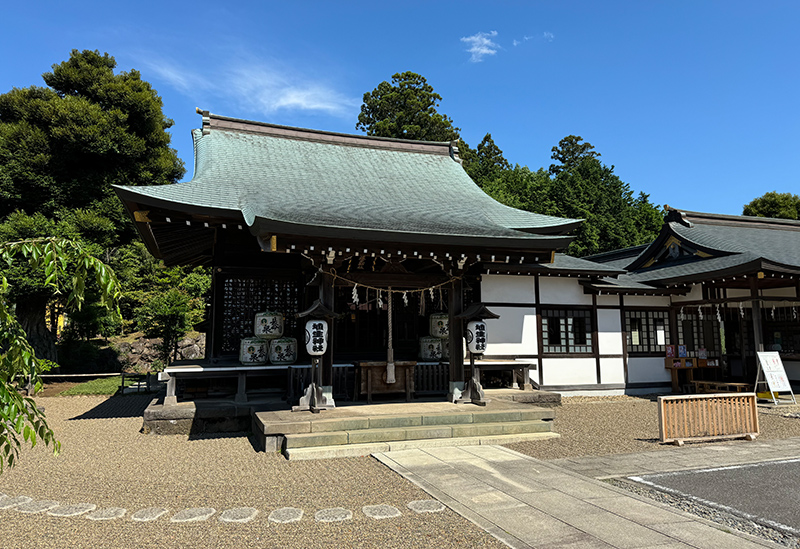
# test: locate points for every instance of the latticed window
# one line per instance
(567, 331)
(648, 331)
(699, 333)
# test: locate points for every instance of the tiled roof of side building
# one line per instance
(295, 176)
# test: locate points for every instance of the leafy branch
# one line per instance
(20, 419)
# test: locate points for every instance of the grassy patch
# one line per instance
(99, 386)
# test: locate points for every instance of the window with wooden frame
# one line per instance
(566, 331)
(647, 331)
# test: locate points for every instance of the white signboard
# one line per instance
(774, 373)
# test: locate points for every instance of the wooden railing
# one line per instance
(431, 378)
(704, 417)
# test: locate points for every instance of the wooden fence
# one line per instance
(704, 417)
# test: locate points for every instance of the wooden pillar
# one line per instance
(456, 306)
(758, 334)
(214, 334)
(326, 298)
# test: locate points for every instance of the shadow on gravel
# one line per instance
(118, 406)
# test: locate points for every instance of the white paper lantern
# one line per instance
(430, 348)
(268, 325)
(253, 351)
(476, 337)
(440, 325)
(283, 350)
(316, 337)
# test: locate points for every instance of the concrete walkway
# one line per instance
(698, 456)
(526, 502)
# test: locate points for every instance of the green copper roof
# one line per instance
(269, 174)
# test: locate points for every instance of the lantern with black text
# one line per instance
(476, 337)
(316, 337)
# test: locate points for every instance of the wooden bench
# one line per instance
(721, 387)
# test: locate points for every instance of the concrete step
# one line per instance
(414, 432)
(357, 450)
(267, 423)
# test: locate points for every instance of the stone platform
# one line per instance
(356, 429)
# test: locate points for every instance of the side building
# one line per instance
(722, 287)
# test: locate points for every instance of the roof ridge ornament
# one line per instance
(206, 120)
(677, 216)
(454, 152)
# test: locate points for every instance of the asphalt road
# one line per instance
(767, 492)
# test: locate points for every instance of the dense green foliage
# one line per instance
(62, 147)
(57, 260)
(577, 185)
(405, 109)
(774, 204)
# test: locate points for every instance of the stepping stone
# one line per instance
(72, 510)
(195, 514)
(285, 515)
(426, 506)
(151, 513)
(37, 506)
(9, 502)
(379, 512)
(109, 513)
(334, 514)
(239, 514)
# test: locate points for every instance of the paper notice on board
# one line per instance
(774, 373)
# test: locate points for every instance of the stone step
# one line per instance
(357, 450)
(414, 432)
(264, 422)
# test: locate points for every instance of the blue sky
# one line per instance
(694, 102)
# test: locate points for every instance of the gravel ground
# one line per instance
(593, 426)
(106, 461)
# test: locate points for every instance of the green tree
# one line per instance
(57, 260)
(405, 109)
(569, 152)
(582, 188)
(774, 204)
(61, 149)
(166, 315)
(64, 146)
(487, 162)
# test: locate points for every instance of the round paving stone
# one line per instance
(109, 513)
(334, 514)
(37, 506)
(240, 514)
(379, 512)
(72, 510)
(151, 513)
(285, 515)
(9, 502)
(426, 506)
(195, 514)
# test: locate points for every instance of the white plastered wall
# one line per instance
(507, 289)
(569, 371)
(646, 301)
(555, 290)
(647, 370)
(778, 292)
(612, 370)
(696, 294)
(514, 333)
(609, 332)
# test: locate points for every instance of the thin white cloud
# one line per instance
(516, 43)
(549, 36)
(481, 45)
(254, 86)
